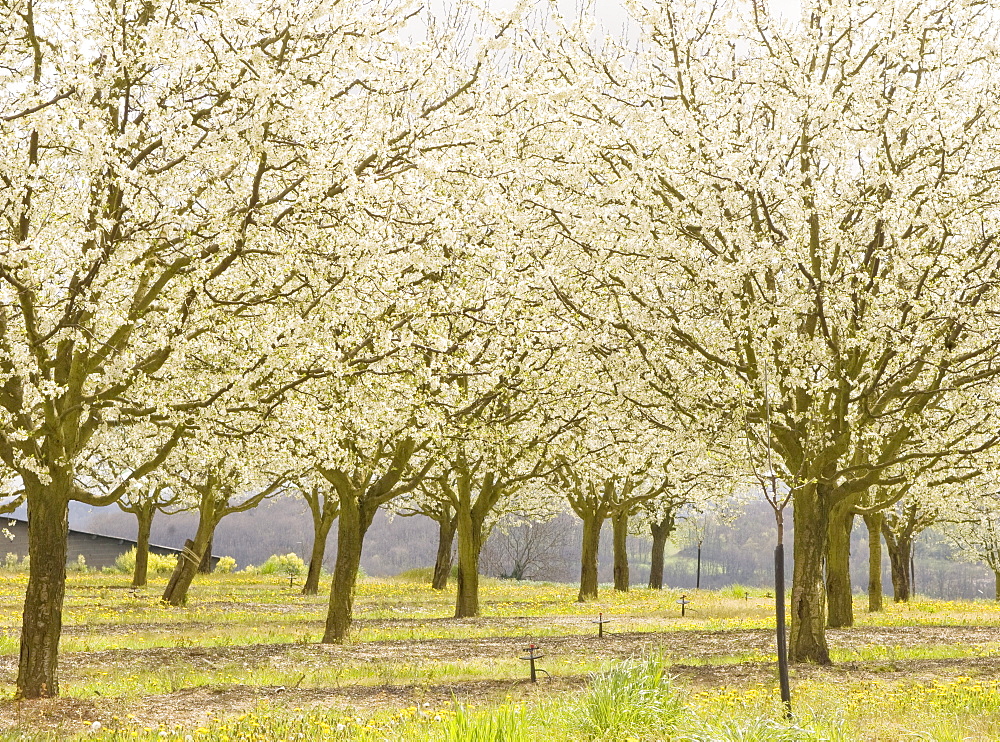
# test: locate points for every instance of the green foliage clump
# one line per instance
(157, 564)
(740, 592)
(225, 565)
(506, 723)
(10, 562)
(283, 564)
(418, 575)
(635, 698)
(422, 575)
(747, 728)
(80, 565)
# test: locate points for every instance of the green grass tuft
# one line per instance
(635, 698)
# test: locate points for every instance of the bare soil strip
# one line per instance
(196, 705)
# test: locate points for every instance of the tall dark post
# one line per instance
(697, 578)
(778, 506)
(779, 614)
(913, 570)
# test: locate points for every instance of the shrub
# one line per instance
(422, 574)
(157, 564)
(417, 574)
(162, 564)
(80, 565)
(225, 565)
(740, 592)
(284, 564)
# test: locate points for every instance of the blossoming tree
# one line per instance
(804, 213)
(158, 162)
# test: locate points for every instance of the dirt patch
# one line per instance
(193, 706)
(676, 644)
(190, 708)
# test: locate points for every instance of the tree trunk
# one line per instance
(592, 523)
(996, 585)
(660, 531)
(807, 640)
(899, 562)
(446, 540)
(180, 574)
(205, 566)
(190, 559)
(874, 523)
(470, 540)
(839, 595)
(352, 526)
(144, 516)
(321, 532)
(619, 525)
(41, 623)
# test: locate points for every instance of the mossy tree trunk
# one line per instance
(360, 493)
(474, 500)
(324, 508)
(144, 504)
(900, 528)
(886, 518)
(447, 526)
(189, 560)
(595, 501)
(41, 622)
(205, 566)
(899, 547)
(840, 599)
(807, 632)
(144, 518)
(470, 542)
(321, 532)
(592, 522)
(48, 543)
(619, 526)
(660, 530)
(216, 493)
(353, 522)
(873, 522)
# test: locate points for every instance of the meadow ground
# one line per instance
(243, 661)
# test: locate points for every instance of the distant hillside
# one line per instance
(737, 553)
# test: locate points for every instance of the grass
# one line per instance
(634, 700)
(243, 636)
(631, 699)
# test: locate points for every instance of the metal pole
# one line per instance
(697, 580)
(779, 613)
(779, 564)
